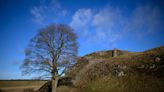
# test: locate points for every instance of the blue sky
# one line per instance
(134, 25)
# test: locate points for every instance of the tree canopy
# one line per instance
(51, 51)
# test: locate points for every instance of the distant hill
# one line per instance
(122, 55)
(105, 54)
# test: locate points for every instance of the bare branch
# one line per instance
(53, 48)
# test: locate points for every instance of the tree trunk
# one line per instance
(54, 84)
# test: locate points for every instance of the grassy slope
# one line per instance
(142, 73)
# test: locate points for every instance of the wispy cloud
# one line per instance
(47, 11)
(81, 18)
(104, 25)
(144, 20)
(110, 24)
(37, 15)
(107, 23)
(97, 26)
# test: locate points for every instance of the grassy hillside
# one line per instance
(128, 72)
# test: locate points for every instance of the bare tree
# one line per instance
(51, 52)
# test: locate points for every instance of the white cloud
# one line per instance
(81, 18)
(106, 18)
(110, 24)
(96, 27)
(37, 15)
(105, 22)
(47, 12)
